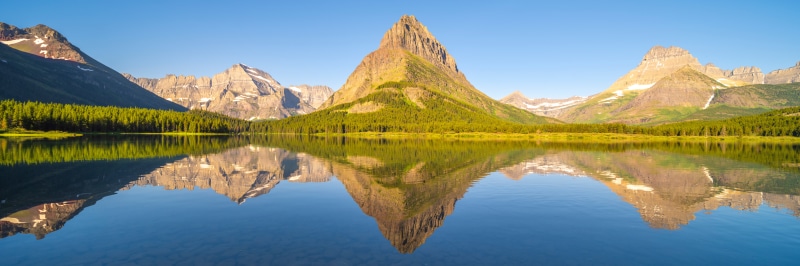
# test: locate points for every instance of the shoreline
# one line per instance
(477, 136)
(559, 137)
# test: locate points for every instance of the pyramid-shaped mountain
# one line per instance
(685, 90)
(411, 78)
(39, 64)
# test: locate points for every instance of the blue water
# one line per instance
(542, 217)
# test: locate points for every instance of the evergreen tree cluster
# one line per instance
(397, 113)
(783, 122)
(86, 118)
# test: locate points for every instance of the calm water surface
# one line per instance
(283, 201)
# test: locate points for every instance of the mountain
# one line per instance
(686, 88)
(40, 64)
(413, 72)
(660, 62)
(542, 106)
(240, 91)
(781, 76)
(668, 85)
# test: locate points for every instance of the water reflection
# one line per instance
(40, 199)
(408, 187)
(238, 173)
(668, 188)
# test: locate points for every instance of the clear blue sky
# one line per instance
(551, 49)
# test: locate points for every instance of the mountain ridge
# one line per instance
(48, 68)
(660, 62)
(240, 91)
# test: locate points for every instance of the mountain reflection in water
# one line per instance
(668, 189)
(408, 186)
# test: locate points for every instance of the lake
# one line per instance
(340, 201)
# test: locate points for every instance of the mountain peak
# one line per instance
(518, 93)
(44, 41)
(409, 34)
(658, 52)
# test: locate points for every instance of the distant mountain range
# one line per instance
(44, 66)
(39, 64)
(671, 85)
(240, 91)
(410, 73)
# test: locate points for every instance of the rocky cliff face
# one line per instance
(750, 75)
(410, 35)
(781, 76)
(240, 173)
(240, 91)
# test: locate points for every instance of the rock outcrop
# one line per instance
(410, 35)
(780, 76)
(240, 91)
(751, 75)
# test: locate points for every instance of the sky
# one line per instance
(545, 49)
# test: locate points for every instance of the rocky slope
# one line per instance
(413, 63)
(39, 64)
(781, 76)
(240, 91)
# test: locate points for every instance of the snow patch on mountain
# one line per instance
(640, 86)
(14, 41)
